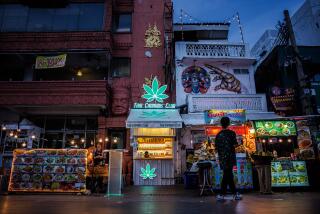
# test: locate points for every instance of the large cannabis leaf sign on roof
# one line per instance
(155, 93)
(148, 172)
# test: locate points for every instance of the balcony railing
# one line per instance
(69, 93)
(207, 50)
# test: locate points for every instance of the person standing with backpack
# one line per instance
(225, 144)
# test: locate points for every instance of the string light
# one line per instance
(24, 144)
(82, 140)
(106, 139)
(33, 136)
(11, 134)
(100, 140)
(72, 142)
(4, 128)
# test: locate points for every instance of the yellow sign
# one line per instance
(152, 37)
(45, 62)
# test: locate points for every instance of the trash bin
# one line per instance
(190, 180)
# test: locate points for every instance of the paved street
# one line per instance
(161, 200)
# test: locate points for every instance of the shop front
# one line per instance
(278, 138)
(153, 135)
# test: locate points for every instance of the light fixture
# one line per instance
(263, 140)
(23, 144)
(33, 136)
(280, 140)
(11, 134)
(4, 128)
(91, 142)
(289, 140)
(72, 142)
(106, 139)
(100, 140)
(270, 140)
(115, 140)
(15, 136)
(252, 131)
(82, 140)
(18, 130)
(79, 73)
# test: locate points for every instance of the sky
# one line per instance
(256, 16)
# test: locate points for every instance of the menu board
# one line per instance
(275, 128)
(289, 173)
(48, 170)
(242, 175)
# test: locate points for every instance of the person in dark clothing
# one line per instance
(98, 160)
(225, 144)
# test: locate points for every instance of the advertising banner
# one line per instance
(267, 128)
(213, 117)
(282, 98)
(45, 62)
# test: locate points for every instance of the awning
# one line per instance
(154, 118)
(198, 118)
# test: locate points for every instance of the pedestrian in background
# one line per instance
(225, 144)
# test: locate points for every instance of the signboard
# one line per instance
(282, 98)
(265, 128)
(45, 62)
(248, 102)
(213, 117)
(289, 173)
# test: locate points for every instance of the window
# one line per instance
(122, 23)
(121, 67)
(240, 71)
(74, 17)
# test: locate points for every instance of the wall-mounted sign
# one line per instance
(152, 37)
(154, 93)
(213, 117)
(45, 62)
(275, 128)
(148, 173)
(248, 102)
(282, 99)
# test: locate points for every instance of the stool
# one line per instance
(205, 168)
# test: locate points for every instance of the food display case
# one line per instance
(48, 170)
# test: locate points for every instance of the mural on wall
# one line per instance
(197, 80)
(228, 81)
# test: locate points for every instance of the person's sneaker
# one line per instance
(220, 197)
(237, 196)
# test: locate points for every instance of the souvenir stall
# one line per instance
(245, 138)
(153, 128)
(278, 138)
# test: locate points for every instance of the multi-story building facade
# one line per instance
(73, 68)
(212, 73)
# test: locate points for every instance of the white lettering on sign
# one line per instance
(154, 105)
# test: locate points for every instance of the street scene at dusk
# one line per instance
(159, 106)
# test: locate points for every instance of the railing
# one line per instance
(206, 50)
(92, 92)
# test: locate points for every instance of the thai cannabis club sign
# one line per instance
(154, 96)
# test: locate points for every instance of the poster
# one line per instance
(45, 62)
(304, 139)
(48, 170)
(266, 128)
(213, 117)
(289, 173)
(242, 175)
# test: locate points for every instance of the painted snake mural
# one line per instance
(228, 81)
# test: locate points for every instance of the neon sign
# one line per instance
(155, 93)
(148, 173)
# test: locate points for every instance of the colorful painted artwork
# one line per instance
(195, 80)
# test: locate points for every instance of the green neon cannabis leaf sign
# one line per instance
(148, 172)
(154, 92)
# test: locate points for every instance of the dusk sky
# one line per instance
(256, 15)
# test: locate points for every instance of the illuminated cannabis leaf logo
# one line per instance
(154, 93)
(153, 114)
(148, 172)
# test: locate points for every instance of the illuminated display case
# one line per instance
(48, 170)
(154, 148)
